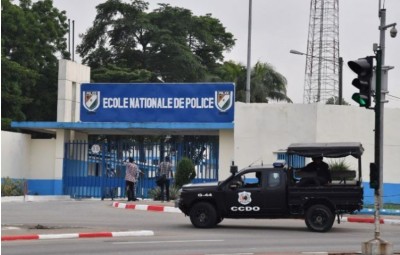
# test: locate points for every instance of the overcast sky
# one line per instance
(278, 27)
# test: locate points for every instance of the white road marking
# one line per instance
(172, 241)
(229, 253)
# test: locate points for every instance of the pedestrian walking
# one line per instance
(110, 188)
(130, 179)
(139, 173)
(164, 177)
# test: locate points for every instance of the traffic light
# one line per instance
(363, 68)
(373, 176)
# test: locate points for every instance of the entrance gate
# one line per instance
(98, 169)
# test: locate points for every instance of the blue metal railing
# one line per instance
(87, 166)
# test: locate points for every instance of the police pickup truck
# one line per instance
(271, 192)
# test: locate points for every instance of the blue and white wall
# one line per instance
(260, 131)
(32, 160)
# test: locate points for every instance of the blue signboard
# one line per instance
(157, 102)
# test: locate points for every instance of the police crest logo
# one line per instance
(223, 100)
(244, 198)
(91, 100)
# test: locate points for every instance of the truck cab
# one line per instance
(255, 192)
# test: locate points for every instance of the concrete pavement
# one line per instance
(159, 207)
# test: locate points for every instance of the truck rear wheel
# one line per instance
(203, 215)
(319, 218)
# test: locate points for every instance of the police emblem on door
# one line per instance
(91, 100)
(244, 198)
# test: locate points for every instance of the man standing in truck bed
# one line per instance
(321, 170)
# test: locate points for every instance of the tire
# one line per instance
(203, 215)
(319, 218)
(219, 220)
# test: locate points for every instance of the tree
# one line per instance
(124, 35)
(32, 36)
(185, 172)
(265, 82)
(113, 73)
(335, 100)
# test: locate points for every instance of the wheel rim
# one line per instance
(202, 215)
(319, 218)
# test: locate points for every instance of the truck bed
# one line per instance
(347, 198)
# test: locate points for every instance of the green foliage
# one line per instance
(266, 83)
(339, 165)
(32, 35)
(11, 187)
(185, 172)
(335, 100)
(125, 35)
(112, 73)
(155, 193)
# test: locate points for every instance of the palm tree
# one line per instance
(266, 83)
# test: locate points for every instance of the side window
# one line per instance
(274, 179)
(251, 180)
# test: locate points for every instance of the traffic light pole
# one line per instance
(377, 245)
(378, 140)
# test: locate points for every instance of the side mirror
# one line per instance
(235, 184)
(234, 169)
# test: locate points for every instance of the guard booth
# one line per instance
(98, 169)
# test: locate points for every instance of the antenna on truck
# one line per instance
(260, 159)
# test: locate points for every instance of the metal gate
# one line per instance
(98, 169)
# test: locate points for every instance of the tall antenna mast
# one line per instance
(322, 58)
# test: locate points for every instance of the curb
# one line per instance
(154, 208)
(78, 235)
(33, 198)
(370, 220)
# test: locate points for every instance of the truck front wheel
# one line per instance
(203, 215)
(319, 218)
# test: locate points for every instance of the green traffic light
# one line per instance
(359, 99)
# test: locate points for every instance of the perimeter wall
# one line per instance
(261, 130)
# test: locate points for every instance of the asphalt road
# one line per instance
(173, 233)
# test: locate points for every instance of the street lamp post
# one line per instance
(248, 74)
(340, 96)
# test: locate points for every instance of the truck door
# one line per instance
(255, 193)
(243, 195)
(275, 192)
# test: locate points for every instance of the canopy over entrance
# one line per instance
(127, 128)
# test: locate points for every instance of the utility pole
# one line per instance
(340, 80)
(378, 246)
(249, 55)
